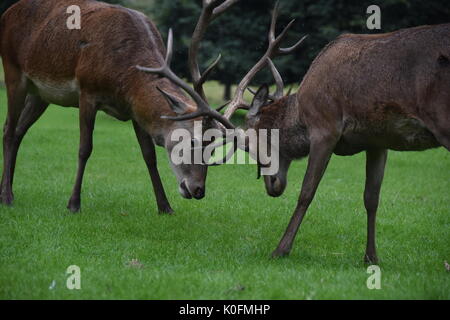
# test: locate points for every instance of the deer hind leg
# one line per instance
(442, 135)
(440, 128)
(148, 152)
(34, 108)
(88, 112)
(319, 156)
(436, 114)
(16, 92)
(375, 164)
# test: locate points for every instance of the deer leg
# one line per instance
(148, 152)
(16, 93)
(443, 138)
(437, 121)
(34, 108)
(88, 112)
(320, 154)
(440, 131)
(375, 164)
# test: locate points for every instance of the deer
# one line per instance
(94, 69)
(362, 93)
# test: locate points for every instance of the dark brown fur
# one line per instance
(362, 93)
(93, 68)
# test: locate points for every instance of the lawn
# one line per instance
(219, 247)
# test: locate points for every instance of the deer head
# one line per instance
(275, 183)
(191, 176)
(267, 110)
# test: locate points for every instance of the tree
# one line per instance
(241, 33)
(240, 36)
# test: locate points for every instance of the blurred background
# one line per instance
(241, 34)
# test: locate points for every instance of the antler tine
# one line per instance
(211, 10)
(198, 85)
(223, 7)
(277, 40)
(286, 51)
(203, 108)
(273, 50)
(278, 80)
(273, 22)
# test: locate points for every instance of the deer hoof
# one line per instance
(73, 206)
(279, 253)
(6, 198)
(165, 210)
(73, 209)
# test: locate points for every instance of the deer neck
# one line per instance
(294, 139)
(148, 106)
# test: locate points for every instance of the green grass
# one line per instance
(217, 248)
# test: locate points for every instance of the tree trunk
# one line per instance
(227, 92)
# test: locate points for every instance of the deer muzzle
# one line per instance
(195, 191)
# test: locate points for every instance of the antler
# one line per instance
(210, 11)
(273, 50)
(278, 80)
(203, 108)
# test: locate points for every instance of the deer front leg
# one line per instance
(88, 112)
(34, 108)
(319, 156)
(375, 164)
(149, 154)
(16, 93)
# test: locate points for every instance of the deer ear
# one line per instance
(259, 100)
(177, 106)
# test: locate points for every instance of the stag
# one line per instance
(93, 69)
(362, 93)
(366, 93)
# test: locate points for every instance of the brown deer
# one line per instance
(94, 68)
(362, 93)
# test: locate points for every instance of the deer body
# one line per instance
(56, 62)
(92, 68)
(362, 93)
(387, 91)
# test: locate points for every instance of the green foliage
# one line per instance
(241, 34)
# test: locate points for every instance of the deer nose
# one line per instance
(199, 193)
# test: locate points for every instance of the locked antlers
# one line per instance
(274, 49)
(203, 109)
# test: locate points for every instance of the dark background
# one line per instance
(241, 33)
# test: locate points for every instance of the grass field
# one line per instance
(219, 247)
